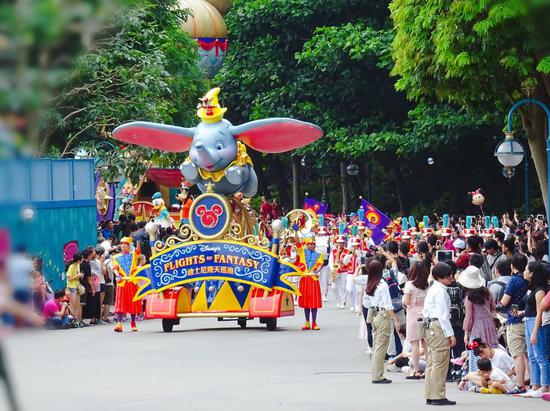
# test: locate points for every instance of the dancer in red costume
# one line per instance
(311, 262)
(125, 266)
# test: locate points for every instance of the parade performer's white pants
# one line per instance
(339, 288)
(323, 280)
(353, 293)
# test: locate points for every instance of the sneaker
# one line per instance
(314, 326)
(485, 390)
(495, 391)
(133, 326)
(118, 327)
(531, 394)
(306, 326)
(517, 390)
(325, 299)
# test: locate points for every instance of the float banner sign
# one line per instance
(215, 260)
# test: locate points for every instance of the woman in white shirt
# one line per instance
(378, 298)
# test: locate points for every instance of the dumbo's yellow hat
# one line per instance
(209, 109)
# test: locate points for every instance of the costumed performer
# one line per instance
(124, 267)
(352, 260)
(162, 215)
(311, 262)
(338, 270)
(322, 241)
(186, 201)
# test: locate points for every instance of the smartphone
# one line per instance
(445, 255)
(363, 260)
(514, 307)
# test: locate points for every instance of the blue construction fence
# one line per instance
(46, 204)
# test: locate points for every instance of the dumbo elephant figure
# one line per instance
(217, 153)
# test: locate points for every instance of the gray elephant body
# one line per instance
(217, 150)
(213, 150)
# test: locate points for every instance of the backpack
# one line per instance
(486, 270)
(395, 291)
(501, 290)
(457, 305)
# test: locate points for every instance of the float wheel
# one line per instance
(242, 322)
(168, 325)
(271, 323)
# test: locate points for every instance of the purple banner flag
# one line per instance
(315, 206)
(375, 220)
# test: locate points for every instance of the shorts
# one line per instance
(109, 298)
(101, 288)
(515, 339)
(83, 299)
(73, 291)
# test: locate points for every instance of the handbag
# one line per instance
(81, 290)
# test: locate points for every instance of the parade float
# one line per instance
(217, 264)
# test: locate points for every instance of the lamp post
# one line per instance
(510, 154)
(324, 171)
(509, 130)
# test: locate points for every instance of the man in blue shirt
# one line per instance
(513, 300)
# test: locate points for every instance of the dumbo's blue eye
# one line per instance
(219, 146)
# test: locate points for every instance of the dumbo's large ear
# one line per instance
(160, 136)
(276, 135)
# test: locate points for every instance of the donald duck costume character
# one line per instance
(162, 216)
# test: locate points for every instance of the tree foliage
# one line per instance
(476, 53)
(143, 68)
(482, 55)
(330, 63)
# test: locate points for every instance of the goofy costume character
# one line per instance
(311, 263)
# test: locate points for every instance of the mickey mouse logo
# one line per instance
(209, 218)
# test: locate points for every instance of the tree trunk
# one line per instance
(344, 187)
(399, 185)
(295, 182)
(280, 181)
(534, 123)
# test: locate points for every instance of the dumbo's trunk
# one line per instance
(344, 187)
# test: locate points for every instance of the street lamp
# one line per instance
(352, 169)
(324, 171)
(510, 153)
(508, 172)
(509, 131)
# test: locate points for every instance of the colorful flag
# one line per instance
(315, 206)
(375, 220)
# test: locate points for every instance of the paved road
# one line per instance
(210, 365)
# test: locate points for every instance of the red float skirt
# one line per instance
(124, 296)
(311, 293)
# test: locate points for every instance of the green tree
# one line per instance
(39, 41)
(478, 54)
(330, 64)
(143, 68)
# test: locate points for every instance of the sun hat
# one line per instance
(459, 243)
(471, 278)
